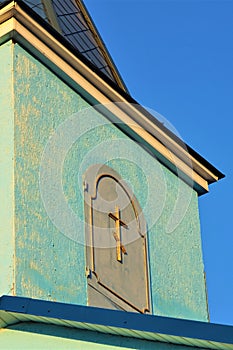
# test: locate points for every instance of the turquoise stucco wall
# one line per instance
(48, 264)
(7, 171)
(38, 336)
(50, 252)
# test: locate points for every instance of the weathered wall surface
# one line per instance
(50, 259)
(7, 171)
(38, 336)
(48, 264)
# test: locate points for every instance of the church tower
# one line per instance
(99, 199)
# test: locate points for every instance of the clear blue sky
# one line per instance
(176, 57)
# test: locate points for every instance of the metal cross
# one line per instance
(117, 235)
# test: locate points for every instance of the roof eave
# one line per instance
(155, 328)
(31, 32)
(102, 46)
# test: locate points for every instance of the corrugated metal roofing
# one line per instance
(148, 327)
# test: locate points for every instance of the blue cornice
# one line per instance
(192, 333)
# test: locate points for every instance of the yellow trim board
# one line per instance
(16, 23)
(101, 44)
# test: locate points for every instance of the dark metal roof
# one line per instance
(71, 19)
(163, 329)
(123, 92)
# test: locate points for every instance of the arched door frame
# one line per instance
(92, 178)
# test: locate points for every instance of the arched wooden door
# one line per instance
(117, 266)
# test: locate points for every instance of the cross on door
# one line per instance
(117, 234)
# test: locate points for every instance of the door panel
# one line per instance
(117, 255)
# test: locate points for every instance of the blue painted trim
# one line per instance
(132, 321)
